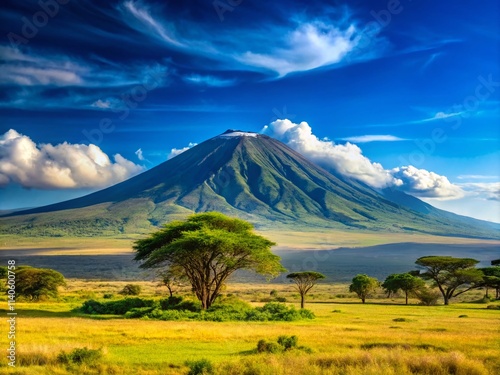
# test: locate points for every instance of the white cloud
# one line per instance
(139, 154)
(177, 151)
(373, 138)
(35, 68)
(143, 14)
(209, 80)
(307, 44)
(422, 183)
(61, 166)
(348, 160)
(443, 115)
(476, 177)
(310, 46)
(484, 190)
(102, 104)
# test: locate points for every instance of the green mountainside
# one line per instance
(250, 176)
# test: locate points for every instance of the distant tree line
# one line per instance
(206, 249)
(451, 276)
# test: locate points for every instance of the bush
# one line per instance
(108, 296)
(428, 297)
(175, 308)
(268, 347)
(493, 307)
(119, 307)
(280, 312)
(284, 343)
(131, 290)
(200, 367)
(288, 342)
(80, 356)
(178, 303)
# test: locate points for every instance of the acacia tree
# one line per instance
(206, 249)
(450, 273)
(171, 280)
(363, 286)
(304, 281)
(35, 283)
(406, 282)
(491, 279)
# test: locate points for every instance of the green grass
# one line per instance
(346, 337)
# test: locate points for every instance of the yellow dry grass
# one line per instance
(346, 337)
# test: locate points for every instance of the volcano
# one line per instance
(247, 175)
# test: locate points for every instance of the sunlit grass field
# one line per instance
(346, 337)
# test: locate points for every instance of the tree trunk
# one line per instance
(363, 299)
(301, 301)
(406, 294)
(446, 300)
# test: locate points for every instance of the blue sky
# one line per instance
(403, 93)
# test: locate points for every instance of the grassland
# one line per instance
(381, 337)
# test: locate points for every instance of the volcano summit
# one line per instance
(248, 175)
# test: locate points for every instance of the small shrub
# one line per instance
(428, 297)
(200, 367)
(118, 307)
(108, 296)
(336, 311)
(288, 342)
(284, 343)
(401, 320)
(80, 356)
(274, 293)
(131, 290)
(268, 347)
(178, 303)
(280, 299)
(493, 307)
(463, 316)
(280, 312)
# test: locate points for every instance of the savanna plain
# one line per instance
(383, 336)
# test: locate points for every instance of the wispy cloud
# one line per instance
(309, 46)
(299, 46)
(431, 60)
(477, 177)
(142, 13)
(373, 138)
(32, 72)
(102, 104)
(177, 151)
(209, 80)
(484, 190)
(140, 155)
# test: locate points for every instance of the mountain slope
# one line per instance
(242, 174)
